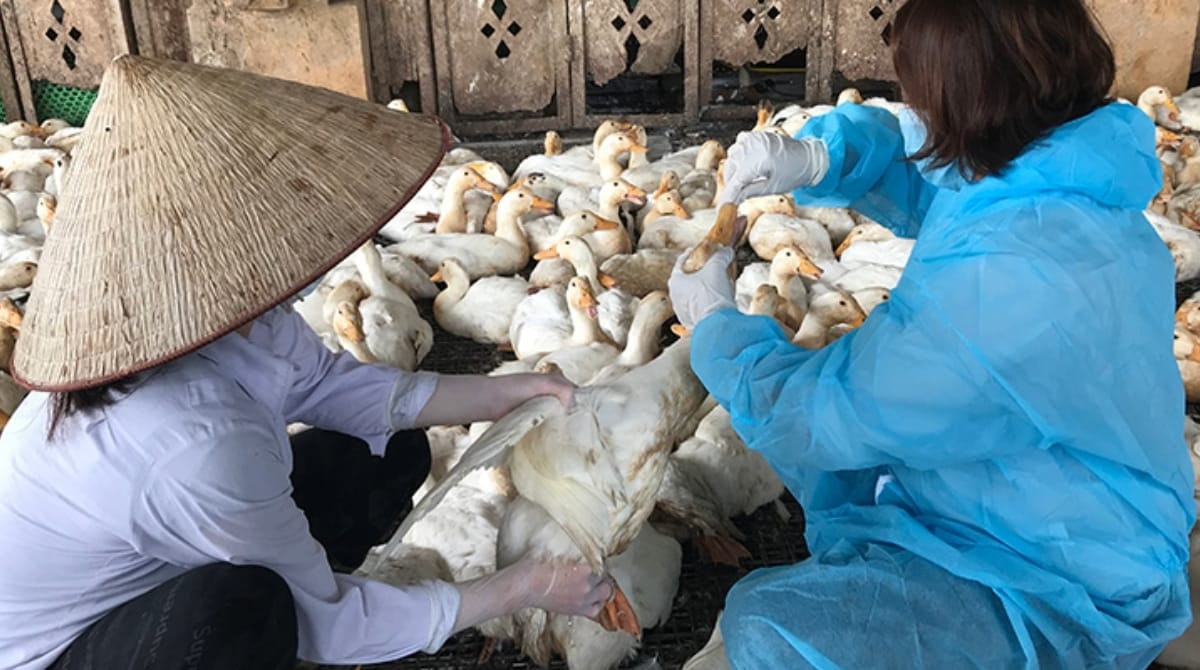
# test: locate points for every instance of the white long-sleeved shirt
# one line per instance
(190, 468)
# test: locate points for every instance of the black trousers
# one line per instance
(229, 617)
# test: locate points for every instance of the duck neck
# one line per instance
(456, 289)
(508, 227)
(358, 350)
(813, 331)
(584, 329)
(585, 266)
(610, 206)
(610, 168)
(643, 344)
(453, 216)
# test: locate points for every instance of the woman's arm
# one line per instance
(868, 170)
(461, 399)
(920, 384)
(227, 497)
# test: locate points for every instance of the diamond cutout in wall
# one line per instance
(645, 22)
(514, 28)
(632, 47)
(760, 37)
(498, 8)
(502, 51)
(618, 23)
(631, 5)
(57, 11)
(748, 15)
(68, 57)
(51, 34)
(75, 34)
(488, 30)
(773, 13)
(876, 13)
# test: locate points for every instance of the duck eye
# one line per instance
(842, 303)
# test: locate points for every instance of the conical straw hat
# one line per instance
(199, 198)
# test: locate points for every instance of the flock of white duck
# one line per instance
(34, 162)
(565, 263)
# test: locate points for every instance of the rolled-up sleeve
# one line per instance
(335, 391)
(228, 498)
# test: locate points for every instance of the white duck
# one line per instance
(605, 201)
(481, 311)
(786, 272)
(741, 478)
(579, 169)
(827, 307)
(583, 364)
(505, 253)
(616, 306)
(591, 473)
(1157, 103)
(771, 232)
(679, 234)
(641, 272)
(384, 327)
(644, 343)
(550, 320)
(647, 573)
(553, 271)
(1183, 243)
(873, 244)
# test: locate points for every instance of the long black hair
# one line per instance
(69, 403)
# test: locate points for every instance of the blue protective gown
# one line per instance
(992, 467)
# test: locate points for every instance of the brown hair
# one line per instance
(989, 77)
(66, 404)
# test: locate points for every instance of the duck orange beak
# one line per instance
(680, 212)
(346, 325)
(635, 196)
(542, 205)
(436, 277)
(843, 247)
(638, 148)
(546, 254)
(587, 302)
(809, 269)
(680, 331)
(858, 321)
(1171, 106)
(606, 280)
(606, 224)
(618, 615)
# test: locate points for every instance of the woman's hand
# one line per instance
(697, 295)
(556, 385)
(564, 588)
(763, 163)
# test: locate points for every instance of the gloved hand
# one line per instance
(768, 163)
(697, 295)
(555, 586)
(565, 588)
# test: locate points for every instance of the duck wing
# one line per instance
(490, 450)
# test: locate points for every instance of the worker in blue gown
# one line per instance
(992, 467)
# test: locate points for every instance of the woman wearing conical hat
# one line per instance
(147, 511)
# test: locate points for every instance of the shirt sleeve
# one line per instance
(335, 391)
(868, 169)
(228, 498)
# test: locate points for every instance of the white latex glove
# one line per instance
(555, 586)
(768, 163)
(697, 295)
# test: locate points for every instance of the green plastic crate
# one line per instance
(52, 101)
